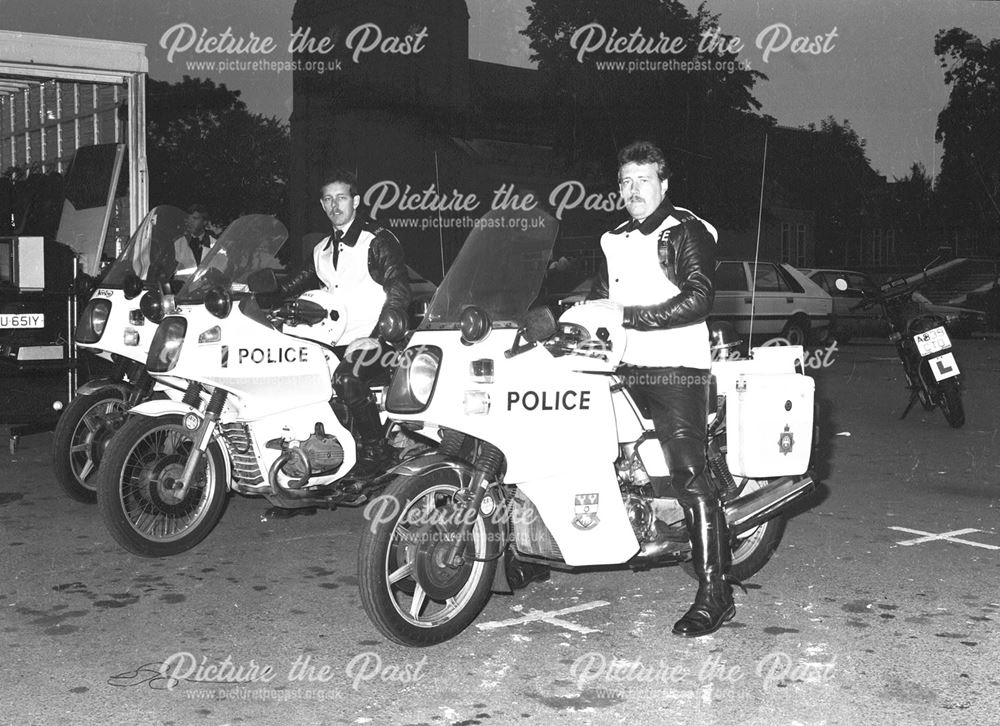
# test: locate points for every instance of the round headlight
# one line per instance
(151, 306)
(132, 287)
(90, 326)
(219, 302)
(475, 324)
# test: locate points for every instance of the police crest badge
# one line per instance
(585, 509)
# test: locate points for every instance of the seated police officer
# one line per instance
(362, 263)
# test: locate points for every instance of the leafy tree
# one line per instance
(204, 146)
(704, 117)
(969, 182)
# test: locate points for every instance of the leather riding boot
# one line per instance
(373, 453)
(713, 604)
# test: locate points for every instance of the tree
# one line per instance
(698, 105)
(969, 182)
(204, 146)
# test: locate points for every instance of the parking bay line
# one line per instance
(551, 617)
(945, 536)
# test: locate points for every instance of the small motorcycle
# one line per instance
(924, 349)
(248, 404)
(545, 457)
(114, 327)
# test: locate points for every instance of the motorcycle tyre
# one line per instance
(753, 549)
(373, 552)
(950, 400)
(62, 442)
(109, 489)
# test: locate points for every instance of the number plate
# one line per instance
(930, 342)
(944, 366)
(12, 321)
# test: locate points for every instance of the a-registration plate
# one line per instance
(931, 341)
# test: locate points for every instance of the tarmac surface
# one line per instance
(881, 606)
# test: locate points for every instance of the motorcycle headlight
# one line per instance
(413, 383)
(90, 326)
(151, 305)
(166, 346)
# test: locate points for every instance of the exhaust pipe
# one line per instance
(753, 509)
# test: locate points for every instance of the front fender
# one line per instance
(163, 407)
(100, 384)
(429, 463)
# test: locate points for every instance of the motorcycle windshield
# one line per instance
(149, 253)
(249, 244)
(499, 268)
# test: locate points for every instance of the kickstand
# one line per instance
(913, 399)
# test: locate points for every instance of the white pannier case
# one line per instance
(769, 412)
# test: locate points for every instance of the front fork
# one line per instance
(202, 436)
(485, 470)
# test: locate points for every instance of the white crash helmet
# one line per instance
(330, 327)
(594, 329)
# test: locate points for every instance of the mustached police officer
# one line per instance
(363, 264)
(659, 273)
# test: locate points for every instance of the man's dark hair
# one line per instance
(644, 152)
(198, 209)
(341, 176)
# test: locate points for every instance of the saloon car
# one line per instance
(770, 300)
(868, 322)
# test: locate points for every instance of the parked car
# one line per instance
(784, 302)
(960, 322)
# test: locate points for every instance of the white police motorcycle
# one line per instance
(545, 457)
(248, 407)
(113, 326)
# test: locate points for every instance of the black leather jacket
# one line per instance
(386, 265)
(687, 257)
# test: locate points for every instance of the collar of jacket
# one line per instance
(650, 223)
(350, 237)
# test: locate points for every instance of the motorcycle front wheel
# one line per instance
(409, 590)
(80, 439)
(137, 488)
(950, 399)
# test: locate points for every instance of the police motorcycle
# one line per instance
(924, 348)
(113, 325)
(545, 456)
(248, 407)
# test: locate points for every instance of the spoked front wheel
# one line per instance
(138, 488)
(410, 588)
(81, 437)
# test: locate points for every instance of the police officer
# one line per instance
(362, 263)
(659, 274)
(194, 243)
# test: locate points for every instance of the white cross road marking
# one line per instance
(550, 617)
(947, 536)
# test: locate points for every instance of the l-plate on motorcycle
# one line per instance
(250, 405)
(924, 349)
(545, 456)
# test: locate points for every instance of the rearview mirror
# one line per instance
(392, 326)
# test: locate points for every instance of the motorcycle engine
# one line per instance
(321, 453)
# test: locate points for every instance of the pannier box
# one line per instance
(769, 423)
